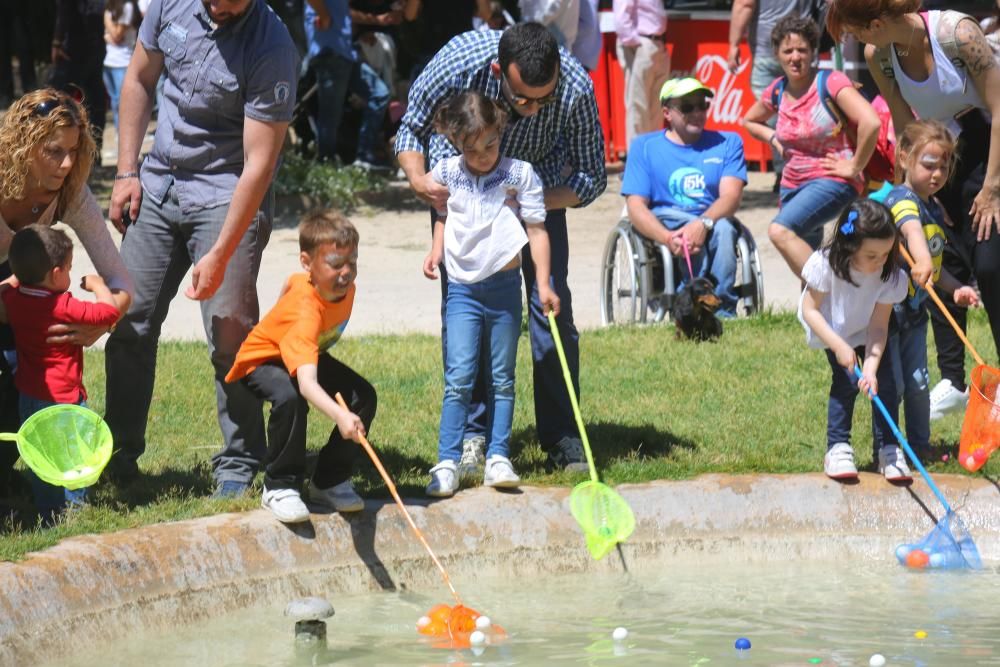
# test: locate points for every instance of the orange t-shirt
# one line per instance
(298, 328)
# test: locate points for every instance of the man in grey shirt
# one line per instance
(203, 198)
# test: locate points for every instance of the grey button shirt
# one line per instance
(216, 77)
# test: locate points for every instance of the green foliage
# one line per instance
(326, 183)
(654, 407)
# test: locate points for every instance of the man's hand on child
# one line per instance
(966, 297)
(351, 426)
(431, 191)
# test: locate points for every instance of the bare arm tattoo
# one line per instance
(972, 46)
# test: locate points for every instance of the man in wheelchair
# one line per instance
(686, 181)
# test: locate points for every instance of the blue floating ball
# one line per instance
(742, 644)
(902, 551)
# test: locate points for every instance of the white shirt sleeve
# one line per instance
(438, 174)
(817, 272)
(895, 289)
(531, 196)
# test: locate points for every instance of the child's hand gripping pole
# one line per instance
(572, 395)
(943, 308)
(395, 495)
(906, 445)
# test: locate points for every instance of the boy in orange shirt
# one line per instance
(283, 362)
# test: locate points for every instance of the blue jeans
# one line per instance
(337, 76)
(158, 250)
(113, 78)
(487, 313)
(49, 498)
(805, 209)
(908, 344)
(843, 391)
(554, 418)
(718, 259)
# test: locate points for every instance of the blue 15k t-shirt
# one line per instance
(680, 177)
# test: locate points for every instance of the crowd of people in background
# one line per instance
(485, 102)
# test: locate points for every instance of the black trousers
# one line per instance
(285, 464)
(964, 257)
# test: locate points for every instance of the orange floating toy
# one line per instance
(453, 627)
(917, 559)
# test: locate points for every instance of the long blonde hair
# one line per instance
(26, 126)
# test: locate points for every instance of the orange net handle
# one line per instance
(944, 310)
(402, 507)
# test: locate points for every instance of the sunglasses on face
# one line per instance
(688, 107)
(524, 100)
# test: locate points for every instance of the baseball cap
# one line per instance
(680, 87)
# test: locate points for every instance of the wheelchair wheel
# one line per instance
(624, 277)
(749, 276)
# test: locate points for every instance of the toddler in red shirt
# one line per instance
(49, 374)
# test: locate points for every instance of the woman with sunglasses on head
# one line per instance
(938, 65)
(46, 152)
(823, 171)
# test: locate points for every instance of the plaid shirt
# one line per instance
(563, 141)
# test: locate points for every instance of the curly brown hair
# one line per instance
(805, 28)
(23, 130)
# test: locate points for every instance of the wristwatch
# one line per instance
(708, 222)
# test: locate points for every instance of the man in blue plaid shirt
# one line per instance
(554, 126)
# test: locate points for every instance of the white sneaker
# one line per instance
(473, 456)
(946, 398)
(342, 497)
(444, 480)
(839, 462)
(286, 505)
(892, 464)
(500, 473)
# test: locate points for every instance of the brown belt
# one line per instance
(656, 38)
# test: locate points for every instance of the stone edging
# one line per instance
(98, 588)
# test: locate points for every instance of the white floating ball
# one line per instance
(477, 638)
(877, 660)
(483, 623)
(423, 621)
(619, 634)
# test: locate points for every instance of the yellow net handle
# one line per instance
(572, 396)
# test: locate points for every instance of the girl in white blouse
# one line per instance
(479, 238)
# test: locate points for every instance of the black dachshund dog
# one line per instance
(694, 311)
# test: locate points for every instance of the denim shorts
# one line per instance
(805, 209)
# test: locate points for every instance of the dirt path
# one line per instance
(394, 297)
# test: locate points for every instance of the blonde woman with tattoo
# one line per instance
(938, 65)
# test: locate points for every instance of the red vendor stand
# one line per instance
(698, 46)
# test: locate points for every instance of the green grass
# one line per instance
(654, 407)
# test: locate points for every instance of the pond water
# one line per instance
(794, 613)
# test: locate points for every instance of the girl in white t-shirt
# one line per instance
(480, 238)
(121, 22)
(851, 286)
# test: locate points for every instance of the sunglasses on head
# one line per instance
(43, 109)
(688, 107)
(524, 100)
